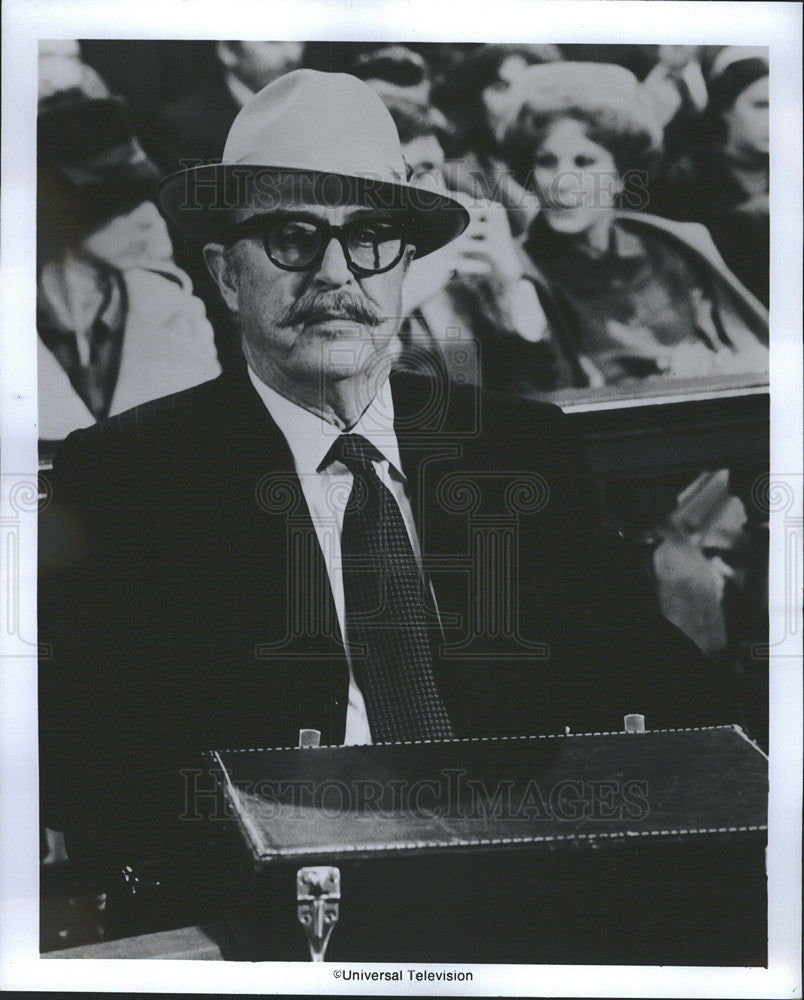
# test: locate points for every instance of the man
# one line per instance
(194, 126)
(304, 544)
(117, 321)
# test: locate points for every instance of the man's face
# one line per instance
(259, 63)
(496, 98)
(307, 328)
(425, 157)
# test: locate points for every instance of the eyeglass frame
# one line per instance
(258, 225)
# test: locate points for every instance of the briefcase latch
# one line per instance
(318, 893)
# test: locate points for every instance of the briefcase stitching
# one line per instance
(493, 739)
(505, 841)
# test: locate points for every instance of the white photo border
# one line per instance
(25, 22)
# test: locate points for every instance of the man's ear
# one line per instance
(219, 264)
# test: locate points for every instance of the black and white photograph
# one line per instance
(402, 499)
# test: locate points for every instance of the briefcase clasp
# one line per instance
(318, 893)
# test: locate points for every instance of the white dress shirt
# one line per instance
(327, 490)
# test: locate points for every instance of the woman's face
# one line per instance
(747, 119)
(496, 97)
(576, 180)
(136, 237)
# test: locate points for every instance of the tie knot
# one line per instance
(356, 453)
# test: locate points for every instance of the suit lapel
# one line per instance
(432, 454)
(305, 645)
(456, 485)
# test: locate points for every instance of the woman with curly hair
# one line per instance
(628, 295)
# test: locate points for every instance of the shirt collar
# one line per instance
(310, 437)
(64, 315)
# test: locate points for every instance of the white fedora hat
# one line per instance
(324, 138)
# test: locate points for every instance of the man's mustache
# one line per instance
(322, 306)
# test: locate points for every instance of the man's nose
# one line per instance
(333, 270)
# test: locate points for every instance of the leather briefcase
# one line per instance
(605, 848)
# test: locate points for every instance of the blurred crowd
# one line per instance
(619, 231)
(618, 197)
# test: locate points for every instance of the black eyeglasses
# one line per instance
(298, 243)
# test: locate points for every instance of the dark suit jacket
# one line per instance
(186, 601)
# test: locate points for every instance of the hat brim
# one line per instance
(206, 200)
(126, 165)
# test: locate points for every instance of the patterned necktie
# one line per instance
(385, 620)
